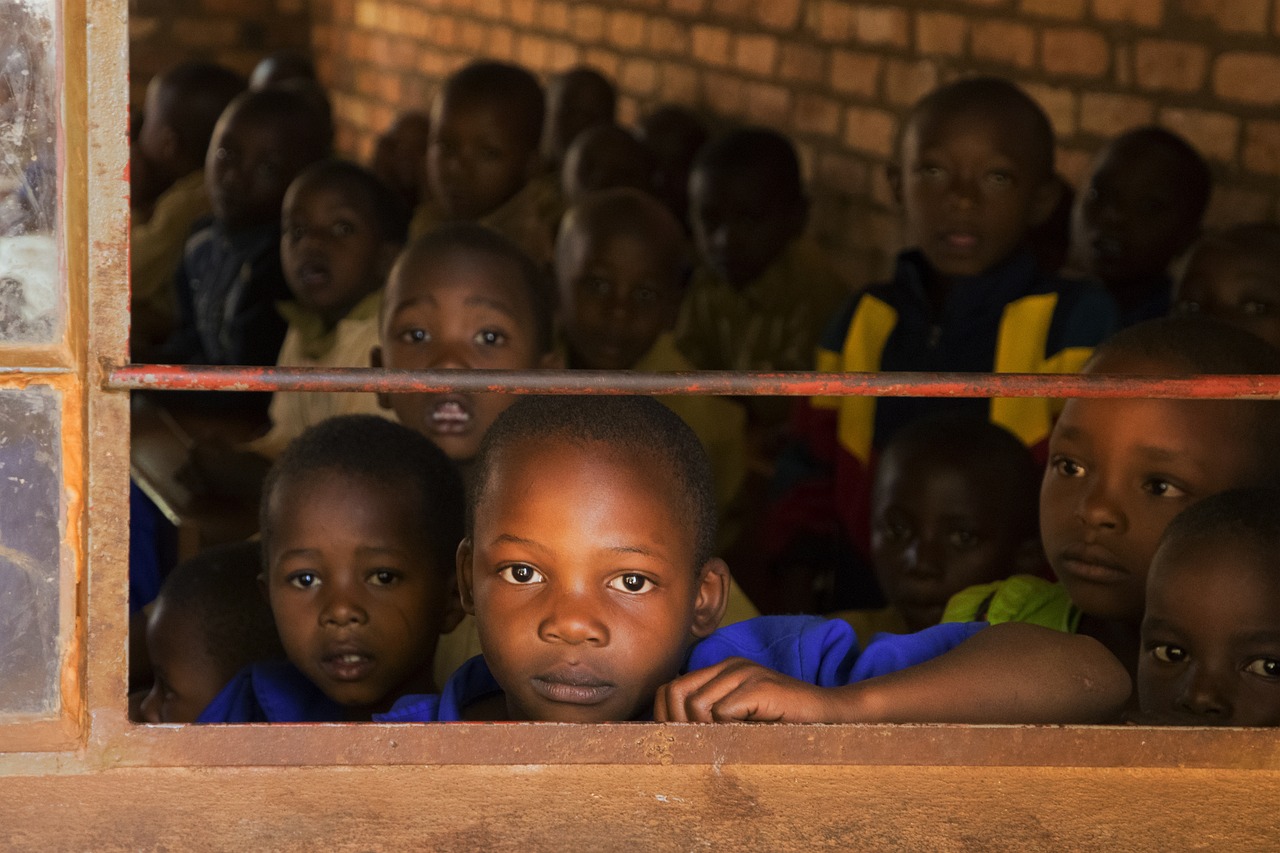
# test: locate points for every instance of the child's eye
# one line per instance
(962, 538)
(296, 233)
(631, 583)
(644, 295)
(1163, 489)
(1000, 179)
(597, 286)
(414, 336)
(303, 580)
(490, 338)
(383, 577)
(1266, 667)
(1255, 309)
(1168, 653)
(896, 530)
(342, 229)
(1067, 467)
(931, 172)
(521, 574)
(1187, 307)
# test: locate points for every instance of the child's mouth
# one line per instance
(960, 241)
(449, 416)
(347, 665)
(572, 686)
(312, 275)
(1092, 565)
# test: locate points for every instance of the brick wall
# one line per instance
(236, 33)
(837, 76)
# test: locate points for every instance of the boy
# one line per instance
(281, 67)
(181, 109)
(230, 277)
(621, 266)
(577, 99)
(482, 157)
(762, 290)
(1140, 209)
(462, 297)
(954, 505)
(401, 155)
(974, 172)
(342, 229)
(1235, 276)
(1121, 469)
(360, 519)
(603, 157)
(209, 621)
(1211, 633)
(675, 135)
(588, 567)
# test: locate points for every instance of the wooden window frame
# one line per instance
(518, 784)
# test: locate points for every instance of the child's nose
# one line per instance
(922, 557)
(342, 608)
(1098, 507)
(1204, 693)
(446, 356)
(574, 619)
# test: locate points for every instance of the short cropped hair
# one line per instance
(591, 82)
(638, 424)
(1248, 516)
(307, 124)
(633, 213)
(1194, 179)
(508, 86)
(385, 453)
(994, 98)
(482, 240)
(388, 209)
(217, 591)
(192, 95)
(756, 151)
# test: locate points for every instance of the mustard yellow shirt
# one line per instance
(155, 252)
(529, 218)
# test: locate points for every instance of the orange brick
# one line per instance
(1233, 16)
(833, 21)
(522, 12)
(1107, 114)
(723, 93)
(1147, 13)
(639, 77)
(778, 14)
(756, 54)
(680, 83)
(1004, 43)
(855, 73)
(668, 36)
(1250, 78)
(1058, 103)
(940, 33)
(1074, 165)
(626, 30)
(1064, 10)
(501, 41)
(554, 17)
(881, 25)
(1074, 51)
(1235, 205)
(870, 130)
(587, 22)
(843, 173)
(1170, 66)
(768, 104)
(687, 7)
(1262, 147)
(201, 32)
(492, 9)
(817, 115)
(1214, 134)
(711, 45)
(802, 63)
(905, 82)
(606, 61)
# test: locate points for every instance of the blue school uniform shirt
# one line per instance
(272, 692)
(823, 652)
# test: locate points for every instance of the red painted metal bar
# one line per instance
(799, 384)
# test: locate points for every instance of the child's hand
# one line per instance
(737, 690)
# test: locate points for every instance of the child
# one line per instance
(762, 290)
(675, 135)
(1140, 209)
(281, 67)
(577, 99)
(1211, 633)
(462, 297)
(360, 520)
(973, 174)
(182, 107)
(603, 157)
(209, 621)
(1235, 276)
(621, 267)
(588, 567)
(954, 505)
(231, 277)
(342, 229)
(482, 157)
(401, 155)
(1121, 469)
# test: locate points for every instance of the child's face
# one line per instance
(738, 224)
(250, 163)
(331, 248)
(1211, 638)
(1132, 219)
(401, 152)
(571, 109)
(1240, 287)
(617, 295)
(459, 310)
(187, 677)
(580, 572)
(1119, 471)
(938, 528)
(475, 160)
(969, 190)
(356, 600)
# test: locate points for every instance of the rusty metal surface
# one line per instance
(797, 384)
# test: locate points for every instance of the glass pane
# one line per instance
(30, 535)
(31, 294)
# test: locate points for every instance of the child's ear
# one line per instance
(465, 595)
(1047, 196)
(893, 171)
(453, 612)
(1029, 559)
(713, 597)
(375, 360)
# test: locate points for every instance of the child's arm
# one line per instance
(1008, 673)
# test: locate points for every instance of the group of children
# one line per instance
(578, 544)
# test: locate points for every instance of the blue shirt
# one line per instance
(823, 652)
(272, 692)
